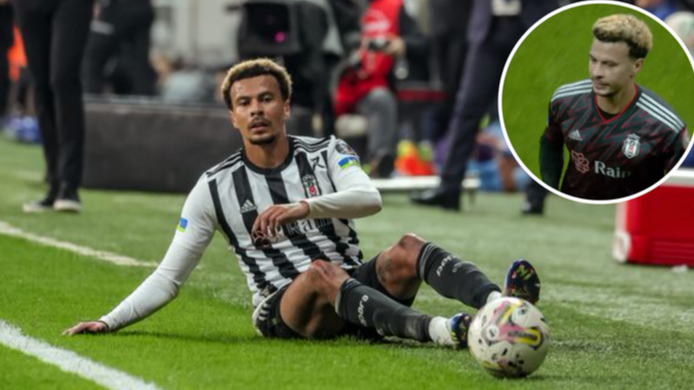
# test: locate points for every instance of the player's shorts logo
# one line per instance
(631, 146)
(581, 162)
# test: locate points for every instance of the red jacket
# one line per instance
(379, 20)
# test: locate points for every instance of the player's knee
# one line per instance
(400, 259)
(410, 243)
(313, 277)
(325, 277)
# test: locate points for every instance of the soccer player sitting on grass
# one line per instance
(285, 205)
(622, 137)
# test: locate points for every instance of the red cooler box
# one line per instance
(658, 227)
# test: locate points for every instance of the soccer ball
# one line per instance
(509, 337)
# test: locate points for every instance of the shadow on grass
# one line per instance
(217, 338)
(230, 338)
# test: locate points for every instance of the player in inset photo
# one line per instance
(622, 138)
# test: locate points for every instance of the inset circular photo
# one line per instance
(595, 100)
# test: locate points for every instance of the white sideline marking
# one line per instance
(69, 361)
(117, 259)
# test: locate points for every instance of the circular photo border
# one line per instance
(503, 80)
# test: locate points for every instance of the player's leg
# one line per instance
(70, 29)
(380, 108)
(319, 301)
(36, 33)
(403, 266)
(307, 306)
(535, 196)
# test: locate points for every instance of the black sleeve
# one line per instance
(551, 162)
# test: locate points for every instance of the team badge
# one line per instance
(310, 185)
(342, 148)
(631, 146)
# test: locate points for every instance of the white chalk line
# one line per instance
(9, 230)
(69, 361)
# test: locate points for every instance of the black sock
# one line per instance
(365, 306)
(452, 277)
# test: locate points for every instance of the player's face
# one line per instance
(611, 68)
(258, 109)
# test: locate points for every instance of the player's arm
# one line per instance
(675, 149)
(552, 152)
(355, 195)
(163, 285)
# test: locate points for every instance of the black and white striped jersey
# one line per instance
(229, 197)
(324, 173)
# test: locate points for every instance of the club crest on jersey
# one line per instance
(310, 185)
(342, 148)
(631, 146)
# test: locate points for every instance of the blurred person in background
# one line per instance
(682, 23)
(495, 27)
(6, 40)
(389, 40)
(660, 8)
(347, 15)
(55, 34)
(493, 163)
(305, 36)
(449, 24)
(534, 202)
(180, 82)
(117, 52)
(21, 104)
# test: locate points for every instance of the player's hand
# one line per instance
(395, 47)
(87, 327)
(269, 221)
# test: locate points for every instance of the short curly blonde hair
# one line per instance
(253, 68)
(625, 28)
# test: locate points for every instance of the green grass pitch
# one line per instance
(556, 53)
(613, 326)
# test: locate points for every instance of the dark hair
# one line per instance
(254, 68)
